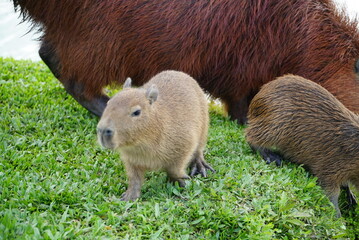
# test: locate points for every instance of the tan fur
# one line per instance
(307, 125)
(169, 133)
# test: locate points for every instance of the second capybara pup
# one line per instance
(162, 125)
(306, 124)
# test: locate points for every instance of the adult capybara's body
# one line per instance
(307, 125)
(162, 125)
(230, 47)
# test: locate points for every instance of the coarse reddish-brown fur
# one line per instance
(230, 47)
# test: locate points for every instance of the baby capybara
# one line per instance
(162, 125)
(306, 124)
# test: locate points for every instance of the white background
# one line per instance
(14, 42)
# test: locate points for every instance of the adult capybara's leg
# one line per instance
(96, 105)
(238, 109)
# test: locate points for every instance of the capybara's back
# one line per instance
(160, 126)
(231, 47)
(307, 125)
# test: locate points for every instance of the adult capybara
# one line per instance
(306, 124)
(230, 47)
(162, 125)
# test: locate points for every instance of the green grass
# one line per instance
(57, 183)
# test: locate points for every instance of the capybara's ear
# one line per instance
(128, 83)
(152, 93)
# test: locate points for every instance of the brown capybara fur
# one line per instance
(306, 124)
(230, 47)
(162, 125)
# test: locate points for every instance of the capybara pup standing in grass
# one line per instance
(306, 124)
(162, 125)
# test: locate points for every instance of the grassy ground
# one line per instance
(57, 183)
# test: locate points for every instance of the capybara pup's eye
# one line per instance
(136, 113)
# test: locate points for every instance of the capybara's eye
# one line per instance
(136, 113)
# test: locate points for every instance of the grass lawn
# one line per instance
(56, 182)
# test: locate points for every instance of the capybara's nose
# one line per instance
(106, 132)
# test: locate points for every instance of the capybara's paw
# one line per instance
(181, 180)
(351, 199)
(181, 183)
(130, 195)
(270, 156)
(200, 166)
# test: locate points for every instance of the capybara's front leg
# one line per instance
(135, 179)
(176, 173)
(95, 105)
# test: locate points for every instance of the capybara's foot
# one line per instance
(269, 156)
(181, 183)
(199, 166)
(181, 180)
(130, 195)
(352, 201)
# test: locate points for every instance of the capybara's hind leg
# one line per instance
(333, 195)
(268, 155)
(198, 165)
(95, 105)
(352, 202)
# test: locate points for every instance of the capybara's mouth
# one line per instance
(106, 143)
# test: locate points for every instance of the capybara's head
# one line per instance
(127, 117)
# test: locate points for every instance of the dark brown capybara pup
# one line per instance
(307, 125)
(162, 125)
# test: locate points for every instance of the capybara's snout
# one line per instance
(105, 136)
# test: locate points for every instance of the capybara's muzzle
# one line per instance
(105, 136)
